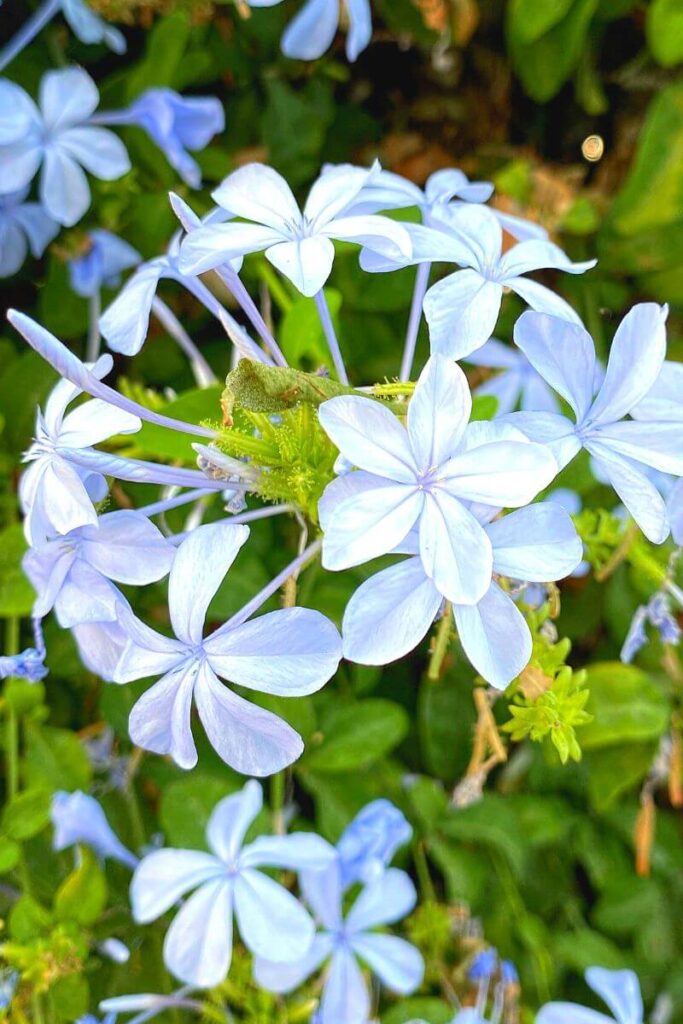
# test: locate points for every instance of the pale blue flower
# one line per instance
(100, 646)
(72, 573)
(623, 450)
(392, 611)
(176, 124)
(28, 665)
(298, 244)
(289, 653)
(657, 612)
(60, 139)
(56, 494)
(620, 990)
(313, 29)
(23, 226)
(9, 980)
(101, 264)
(342, 942)
(444, 190)
(88, 26)
(271, 921)
(368, 844)
(78, 818)
(424, 477)
(462, 309)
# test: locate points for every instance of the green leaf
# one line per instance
(24, 384)
(186, 806)
(652, 195)
(584, 947)
(627, 706)
(421, 1008)
(83, 895)
(28, 919)
(530, 19)
(547, 62)
(55, 759)
(68, 998)
(356, 735)
(16, 593)
(616, 769)
(301, 336)
(9, 854)
(490, 822)
(664, 29)
(191, 407)
(27, 814)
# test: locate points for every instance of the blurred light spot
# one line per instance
(593, 148)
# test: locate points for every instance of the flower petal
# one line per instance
(620, 990)
(384, 901)
(200, 565)
(562, 1013)
(163, 876)
(389, 614)
(639, 495)
(495, 637)
(211, 246)
(335, 190)
(657, 445)
(455, 551)
(230, 821)
(369, 436)
(160, 718)
(312, 30)
(322, 890)
(438, 412)
(562, 353)
(461, 311)
(67, 97)
(345, 997)
(306, 262)
(95, 421)
(543, 299)
(664, 400)
(250, 739)
(98, 150)
(397, 963)
(536, 544)
(124, 324)
(539, 254)
(64, 189)
(371, 523)
(505, 473)
(272, 922)
(282, 978)
(635, 361)
(258, 193)
(198, 945)
(291, 652)
(298, 851)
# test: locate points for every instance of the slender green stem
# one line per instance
(12, 724)
(422, 870)
(442, 642)
(278, 785)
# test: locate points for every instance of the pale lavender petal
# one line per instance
(371, 523)
(657, 445)
(306, 262)
(639, 495)
(456, 553)
(298, 851)
(461, 311)
(64, 189)
(506, 473)
(272, 922)
(664, 401)
(539, 254)
(495, 637)
(345, 996)
(543, 299)
(198, 945)
(211, 246)
(285, 977)
(127, 547)
(360, 27)
(384, 901)
(160, 719)
(635, 362)
(562, 353)
(536, 544)
(258, 193)
(312, 30)
(67, 96)
(230, 821)
(96, 421)
(397, 963)
(621, 992)
(163, 876)
(564, 1013)
(250, 739)
(438, 412)
(369, 436)
(389, 614)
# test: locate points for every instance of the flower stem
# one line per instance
(202, 372)
(271, 588)
(28, 31)
(330, 334)
(441, 644)
(421, 282)
(277, 802)
(92, 349)
(242, 517)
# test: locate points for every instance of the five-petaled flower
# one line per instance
(228, 882)
(425, 476)
(289, 653)
(298, 244)
(620, 990)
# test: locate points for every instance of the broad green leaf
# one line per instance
(82, 896)
(490, 822)
(16, 593)
(55, 759)
(28, 919)
(615, 769)
(355, 735)
(419, 1008)
(68, 998)
(10, 852)
(192, 407)
(301, 335)
(528, 20)
(26, 814)
(545, 64)
(664, 27)
(186, 806)
(584, 947)
(626, 706)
